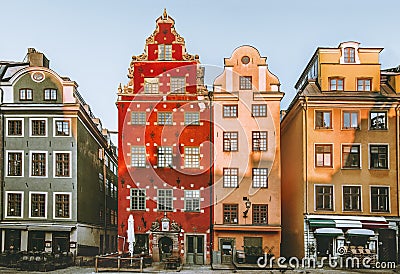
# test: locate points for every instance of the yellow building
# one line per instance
(339, 143)
(247, 183)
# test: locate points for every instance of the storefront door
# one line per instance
(226, 248)
(165, 246)
(13, 240)
(387, 251)
(195, 249)
(324, 245)
(36, 241)
(60, 242)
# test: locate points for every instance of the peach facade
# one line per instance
(247, 175)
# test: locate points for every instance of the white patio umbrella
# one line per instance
(131, 233)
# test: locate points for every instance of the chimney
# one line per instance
(37, 59)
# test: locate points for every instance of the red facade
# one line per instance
(164, 151)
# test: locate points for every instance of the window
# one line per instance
(378, 156)
(62, 128)
(164, 52)
(62, 164)
(178, 84)
(192, 118)
(377, 120)
(231, 141)
(323, 155)
(138, 156)
(38, 205)
(231, 178)
(323, 119)
(260, 214)
(25, 94)
(14, 164)
(14, 127)
(259, 110)
(380, 199)
(38, 164)
(230, 213)
(260, 177)
(324, 197)
(62, 205)
(164, 118)
(138, 199)
(14, 204)
(151, 85)
(336, 84)
(349, 55)
(38, 127)
(259, 140)
(165, 199)
(245, 82)
(350, 119)
(363, 84)
(50, 94)
(351, 156)
(138, 118)
(192, 200)
(230, 111)
(351, 198)
(164, 157)
(192, 157)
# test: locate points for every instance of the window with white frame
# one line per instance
(178, 84)
(138, 156)
(62, 127)
(192, 157)
(14, 204)
(38, 127)
(50, 94)
(138, 199)
(380, 199)
(38, 205)
(25, 94)
(38, 164)
(350, 119)
(138, 118)
(192, 200)
(351, 156)
(15, 127)
(260, 177)
(377, 120)
(164, 52)
(259, 110)
(323, 119)
(165, 199)
(192, 118)
(164, 157)
(230, 177)
(151, 85)
(164, 118)
(15, 164)
(351, 198)
(62, 164)
(378, 156)
(62, 205)
(323, 155)
(324, 197)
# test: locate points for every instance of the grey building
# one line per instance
(58, 165)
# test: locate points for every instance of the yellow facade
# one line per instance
(315, 184)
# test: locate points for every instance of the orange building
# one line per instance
(339, 143)
(247, 175)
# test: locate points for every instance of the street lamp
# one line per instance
(248, 205)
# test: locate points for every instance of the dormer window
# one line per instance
(349, 55)
(164, 52)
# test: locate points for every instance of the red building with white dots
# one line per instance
(164, 145)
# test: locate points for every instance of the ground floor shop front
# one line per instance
(245, 244)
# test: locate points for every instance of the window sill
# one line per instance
(351, 168)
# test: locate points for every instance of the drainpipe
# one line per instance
(105, 198)
(210, 97)
(305, 168)
(397, 176)
(2, 205)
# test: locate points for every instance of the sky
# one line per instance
(92, 42)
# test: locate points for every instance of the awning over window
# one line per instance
(50, 228)
(328, 231)
(322, 223)
(12, 226)
(360, 232)
(374, 224)
(348, 223)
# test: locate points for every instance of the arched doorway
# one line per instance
(165, 247)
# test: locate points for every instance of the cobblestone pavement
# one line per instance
(207, 269)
